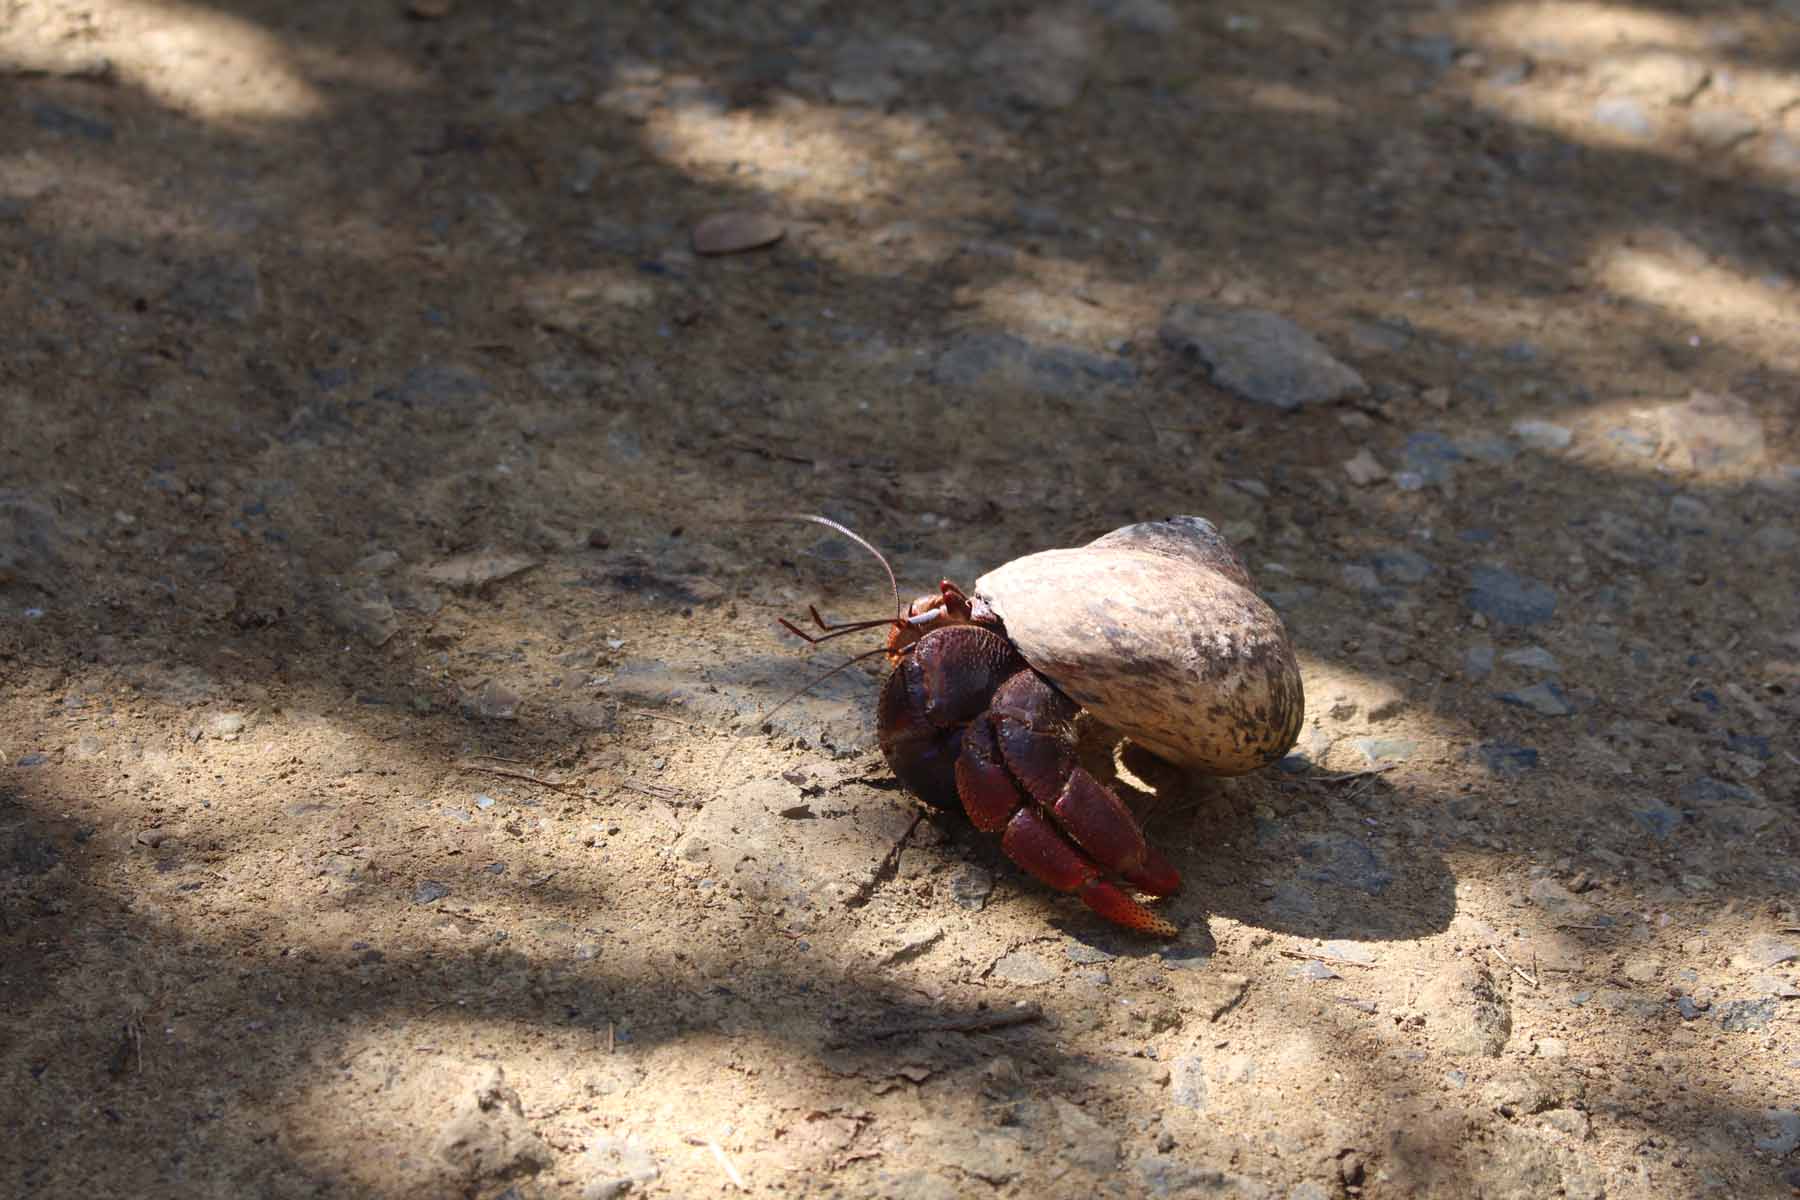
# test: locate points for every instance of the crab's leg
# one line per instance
(1098, 821)
(1035, 742)
(1046, 854)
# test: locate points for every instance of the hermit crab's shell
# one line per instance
(1156, 631)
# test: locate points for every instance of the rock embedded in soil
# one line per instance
(971, 887)
(1546, 699)
(1465, 1012)
(1365, 468)
(737, 231)
(1500, 595)
(1259, 355)
(1340, 859)
(1085, 1142)
(1187, 1082)
(1747, 1016)
(487, 1139)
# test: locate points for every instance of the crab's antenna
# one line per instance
(859, 540)
(763, 718)
(831, 629)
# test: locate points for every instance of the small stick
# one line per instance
(609, 1037)
(656, 716)
(731, 1172)
(972, 1023)
(659, 791)
(1326, 959)
(1566, 926)
(1518, 970)
(545, 879)
(527, 776)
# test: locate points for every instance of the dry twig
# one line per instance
(1517, 969)
(527, 776)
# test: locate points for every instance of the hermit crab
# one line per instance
(1154, 629)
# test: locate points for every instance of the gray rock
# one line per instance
(1187, 1082)
(471, 572)
(494, 701)
(1259, 355)
(1532, 658)
(1547, 699)
(986, 360)
(429, 891)
(1478, 660)
(1340, 859)
(1747, 1016)
(487, 1139)
(971, 887)
(1780, 1131)
(1770, 984)
(1465, 1012)
(1085, 1142)
(1364, 468)
(1542, 435)
(1315, 972)
(1500, 595)
(1505, 759)
(1021, 967)
(1767, 950)
(1558, 900)
(1400, 565)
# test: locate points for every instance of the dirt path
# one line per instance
(387, 599)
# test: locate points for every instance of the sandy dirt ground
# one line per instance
(389, 594)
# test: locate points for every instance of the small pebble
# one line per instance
(1546, 699)
(736, 231)
(1365, 469)
(1532, 658)
(429, 891)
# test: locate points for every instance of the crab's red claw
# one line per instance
(1035, 845)
(988, 792)
(1094, 816)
